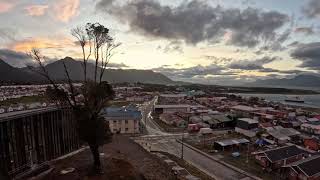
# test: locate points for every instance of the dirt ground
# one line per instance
(122, 159)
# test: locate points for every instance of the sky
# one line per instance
(227, 42)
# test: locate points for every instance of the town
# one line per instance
(160, 90)
(224, 136)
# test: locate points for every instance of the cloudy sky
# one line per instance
(208, 41)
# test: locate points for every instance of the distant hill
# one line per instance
(56, 71)
(12, 74)
(298, 81)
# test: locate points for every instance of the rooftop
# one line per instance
(173, 106)
(310, 166)
(283, 153)
(229, 142)
(248, 120)
(282, 133)
(173, 95)
(127, 112)
(244, 108)
(213, 119)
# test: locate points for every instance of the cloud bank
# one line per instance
(309, 54)
(197, 21)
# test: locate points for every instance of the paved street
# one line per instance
(156, 140)
(151, 127)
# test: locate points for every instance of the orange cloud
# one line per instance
(36, 10)
(41, 43)
(5, 6)
(66, 9)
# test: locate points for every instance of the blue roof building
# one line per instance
(124, 120)
(122, 113)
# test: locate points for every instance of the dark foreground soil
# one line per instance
(122, 159)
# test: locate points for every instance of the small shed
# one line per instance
(230, 143)
(205, 131)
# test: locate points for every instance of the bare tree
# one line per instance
(93, 39)
(83, 39)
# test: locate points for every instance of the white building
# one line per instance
(124, 120)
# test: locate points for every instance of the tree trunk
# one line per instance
(96, 158)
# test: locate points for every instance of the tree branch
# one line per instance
(73, 95)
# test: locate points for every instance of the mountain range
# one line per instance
(56, 71)
(297, 81)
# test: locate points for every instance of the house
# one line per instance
(275, 158)
(205, 131)
(282, 135)
(317, 116)
(18, 108)
(124, 120)
(311, 127)
(135, 99)
(277, 113)
(173, 119)
(193, 128)
(196, 119)
(305, 169)
(265, 125)
(290, 124)
(263, 116)
(311, 143)
(195, 93)
(203, 125)
(211, 100)
(10, 109)
(218, 121)
(313, 119)
(243, 111)
(247, 127)
(180, 123)
(172, 98)
(302, 119)
(172, 108)
(285, 124)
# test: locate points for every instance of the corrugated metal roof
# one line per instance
(229, 142)
(122, 113)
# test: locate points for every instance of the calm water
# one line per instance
(310, 100)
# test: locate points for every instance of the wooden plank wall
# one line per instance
(34, 138)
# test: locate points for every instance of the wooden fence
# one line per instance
(33, 137)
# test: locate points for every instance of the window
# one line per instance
(126, 121)
(114, 121)
(127, 129)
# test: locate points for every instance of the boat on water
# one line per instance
(295, 99)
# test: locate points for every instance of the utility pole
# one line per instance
(145, 117)
(247, 160)
(182, 138)
(182, 145)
